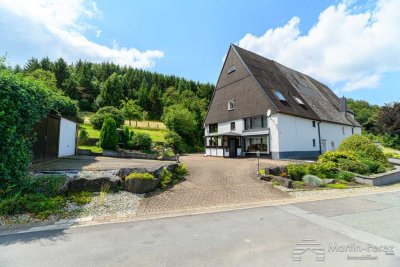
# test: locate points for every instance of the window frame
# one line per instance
(213, 128)
(234, 126)
(231, 105)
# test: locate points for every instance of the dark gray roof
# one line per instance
(320, 103)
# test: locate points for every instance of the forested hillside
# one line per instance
(179, 102)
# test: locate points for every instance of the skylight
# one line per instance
(298, 100)
(279, 95)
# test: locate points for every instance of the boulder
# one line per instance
(284, 181)
(92, 183)
(328, 181)
(266, 177)
(140, 186)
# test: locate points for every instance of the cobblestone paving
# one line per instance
(90, 163)
(214, 182)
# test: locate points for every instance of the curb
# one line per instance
(132, 217)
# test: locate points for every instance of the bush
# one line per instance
(108, 134)
(391, 140)
(80, 198)
(140, 175)
(181, 172)
(127, 137)
(322, 169)
(392, 155)
(363, 147)
(174, 141)
(296, 171)
(49, 185)
(347, 176)
(83, 137)
(334, 156)
(97, 119)
(23, 103)
(141, 141)
(353, 166)
(37, 205)
(165, 178)
(312, 180)
(374, 166)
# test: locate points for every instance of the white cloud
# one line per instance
(65, 22)
(351, 45)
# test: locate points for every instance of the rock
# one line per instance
(328, 181)
(156, 171)
(276, 170)
(267, 177)
(122, 173)
(172, 166)
(284, 181)
(140, 186)
(92, 183)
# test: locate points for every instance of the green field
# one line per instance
(156, 135)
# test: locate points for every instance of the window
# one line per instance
(279, 95)
(333, 145)
(231, 69)
(313, 124)
(313, 143)
(231, 104)
(254, 144)
(298, 100)
(233, 126)
(343, 132)
(213, 128)
(255, 123)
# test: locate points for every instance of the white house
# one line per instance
(261, 105)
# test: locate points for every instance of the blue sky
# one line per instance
(352, 46)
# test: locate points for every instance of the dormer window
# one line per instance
(231, 69)
(279, 95)
(231, 105)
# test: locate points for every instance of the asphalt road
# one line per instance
(357, 231)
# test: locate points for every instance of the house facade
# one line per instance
(261, 105)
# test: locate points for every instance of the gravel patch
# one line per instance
(112, 203)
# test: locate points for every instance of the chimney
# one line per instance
(343, 105)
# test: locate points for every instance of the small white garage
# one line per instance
(55, 137)
(67, 143)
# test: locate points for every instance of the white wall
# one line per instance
(225, 127)
(290, 133)
(67, 138)
(332, 132)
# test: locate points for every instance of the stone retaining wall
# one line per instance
(389, 177)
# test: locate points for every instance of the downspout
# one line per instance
(319, 138)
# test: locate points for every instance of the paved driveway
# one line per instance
(214, 182)
(91, 163)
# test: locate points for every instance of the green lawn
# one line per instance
(94, 149)
(156, 135)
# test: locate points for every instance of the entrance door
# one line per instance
(323, 146)
(232, 148)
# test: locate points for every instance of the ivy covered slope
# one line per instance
(23, 103)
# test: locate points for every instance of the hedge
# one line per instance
(23, 103)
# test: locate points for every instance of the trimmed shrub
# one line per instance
(108, 134)
(141, 141)
(353, 166)
(312, 180)
(363, 147)
(374, 166)
(347, 176)
(83, 137)
(97, 119)
(334, 156)
(140, 175)
(127, 137)
(323, 170)
(296, 171)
